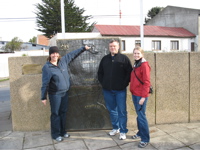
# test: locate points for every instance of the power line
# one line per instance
(20, 18)
(17, 19)
(93, 16)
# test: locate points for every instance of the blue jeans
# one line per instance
(58, 105)
(142, 123)
(116, 105)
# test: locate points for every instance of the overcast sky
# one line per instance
(17, 18)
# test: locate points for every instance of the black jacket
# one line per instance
(114, 73)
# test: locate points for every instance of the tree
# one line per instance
(33, 40)
(152, 13)
(13, 45)
(49, 18)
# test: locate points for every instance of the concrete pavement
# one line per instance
(182, 136)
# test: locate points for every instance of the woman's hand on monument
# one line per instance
(44, 101)
(87, 47)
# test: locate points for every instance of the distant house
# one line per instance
(2, 45)
(26, 46)
(42, 43)
(187, 18)
(31, 46)
(156, 38)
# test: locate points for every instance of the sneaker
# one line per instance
(114, 132)
(66, 135)
(135, 137)
(122, 136)
(142, 144)
(59, 139)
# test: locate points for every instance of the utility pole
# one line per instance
(120, 12)
(141, 25)
(62, 18)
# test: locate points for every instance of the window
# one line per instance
(137, 43)
(174, 45)
(123, 46)
(192, 46)
(156, 45)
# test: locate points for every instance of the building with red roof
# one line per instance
(156, 38)
(173, 16)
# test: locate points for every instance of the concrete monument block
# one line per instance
(172, 87)
(28, 113)
(174, 77)
(194, 87)
(151, 109)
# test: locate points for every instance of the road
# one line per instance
(4, 91)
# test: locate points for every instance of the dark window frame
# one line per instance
(174, 45)
(123, 45)
(156, 45)
(137, 43)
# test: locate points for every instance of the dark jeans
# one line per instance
(116, 105)
(59, 104)
(142, 123)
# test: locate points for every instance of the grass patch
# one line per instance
(4, 79)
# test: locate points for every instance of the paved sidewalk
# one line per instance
(184, 136)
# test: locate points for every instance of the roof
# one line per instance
(128, 30)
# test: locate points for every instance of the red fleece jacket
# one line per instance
(143, 73)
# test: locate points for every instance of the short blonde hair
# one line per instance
(139, 49)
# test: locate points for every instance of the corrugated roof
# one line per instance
(127, 30)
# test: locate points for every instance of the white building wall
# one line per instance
(4, 70)
(197, 43)
(75, 35)
(184, 43)
(184, 46)
(129, 44)
(52, 41)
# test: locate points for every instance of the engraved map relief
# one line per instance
(87, 108)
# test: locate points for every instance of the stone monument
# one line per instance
(86, 109)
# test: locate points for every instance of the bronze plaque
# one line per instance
(28, 69)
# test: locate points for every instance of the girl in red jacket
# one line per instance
(139, 87)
